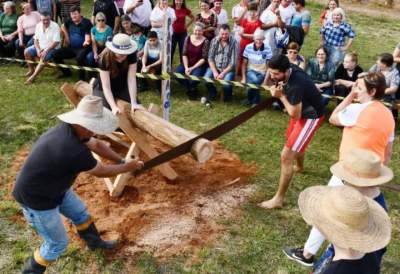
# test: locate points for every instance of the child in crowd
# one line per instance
(139, 38)
(152, 56)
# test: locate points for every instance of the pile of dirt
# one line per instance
(163, 217)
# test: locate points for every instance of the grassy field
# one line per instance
(252, 242)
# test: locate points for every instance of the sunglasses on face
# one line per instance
(100, 20)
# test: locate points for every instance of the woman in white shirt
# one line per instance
(157, 18)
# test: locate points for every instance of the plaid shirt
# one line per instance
(223, 56)
(335, 36)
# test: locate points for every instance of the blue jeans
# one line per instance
(335, 55)
(189, 84)
(212, 91)
(254, 77)
(33, 53)
(27, 41)
(90, 57)
(49, 225)
(327, 91)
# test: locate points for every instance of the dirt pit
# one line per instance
(166, 218)
(162, 217)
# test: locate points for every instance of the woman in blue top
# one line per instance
(322, 72)
(99, 34)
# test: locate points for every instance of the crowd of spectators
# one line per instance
(214, 49)
(124, 37)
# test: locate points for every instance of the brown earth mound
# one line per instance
(163, 217)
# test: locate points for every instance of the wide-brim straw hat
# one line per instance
(91, 115)
(122, 44)
(362, 168)
(347, 218)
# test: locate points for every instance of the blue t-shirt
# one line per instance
(140, 40)
(101, 37)
(77, 32)
(45, 6)
(301, 19)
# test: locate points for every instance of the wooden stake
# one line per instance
(120, 181)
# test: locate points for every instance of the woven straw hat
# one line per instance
(363, 168)
(347, 218)
(122, 44)
(91, 115)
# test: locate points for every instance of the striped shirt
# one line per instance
(223, 56)
(257, 58)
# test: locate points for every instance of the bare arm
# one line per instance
(104, 151)
(244, 68)
(132, 84)
(388, 153)
(105, 83)
(391, 90)
(294, 111)
(396, 55)
(191, 16)
(334, 119)
(349, 44)
(103, 170)
(64, 33)
(117, 24)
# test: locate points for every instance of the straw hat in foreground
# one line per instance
(122, 44)
(347, 218)
(363, 168)
(91, 115)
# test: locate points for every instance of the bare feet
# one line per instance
(272, 203)
(298, 169)
(29, 81)
(29, 73)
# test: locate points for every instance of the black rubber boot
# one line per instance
(33, 267)
(93, 240)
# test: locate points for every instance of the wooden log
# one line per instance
(71, 94)
(169, 133)
(120, 181)
(83, 88)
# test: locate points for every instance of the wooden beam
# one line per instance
(120, 181)
(71, 94)
(169, 133)
(107, 181)
(141, 140)
(83, 88)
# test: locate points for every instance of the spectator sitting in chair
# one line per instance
(26, 29)
(347, 74)
(195, 55)
(76, 44)
(385, 65)
(8, 29)
(322, 72)
(294, 56)
(46, 41)
(254, 67)
(152, 57)
(99, 35)
(222, 58)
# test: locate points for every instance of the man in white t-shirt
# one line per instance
(287, 10)
(139, 11)
(46, 40)
(271, 20)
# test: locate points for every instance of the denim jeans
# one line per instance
(335, 54)
(27, 41)
(178, 39)
(90, 57)
(49, 225)
(199, 71)
(327, 91)
(212, 91)
(254, 77)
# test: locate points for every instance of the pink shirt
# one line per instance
(27, 24)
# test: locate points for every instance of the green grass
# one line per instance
(252, 242)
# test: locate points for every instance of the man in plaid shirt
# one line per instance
(222, 58)
(333, 36)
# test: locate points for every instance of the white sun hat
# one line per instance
(91, 115)
(122, 44)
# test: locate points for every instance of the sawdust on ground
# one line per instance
(162, 217)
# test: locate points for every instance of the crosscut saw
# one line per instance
(211, 134)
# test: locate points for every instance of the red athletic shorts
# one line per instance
(300, 133)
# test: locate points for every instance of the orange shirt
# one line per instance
(372, 129)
